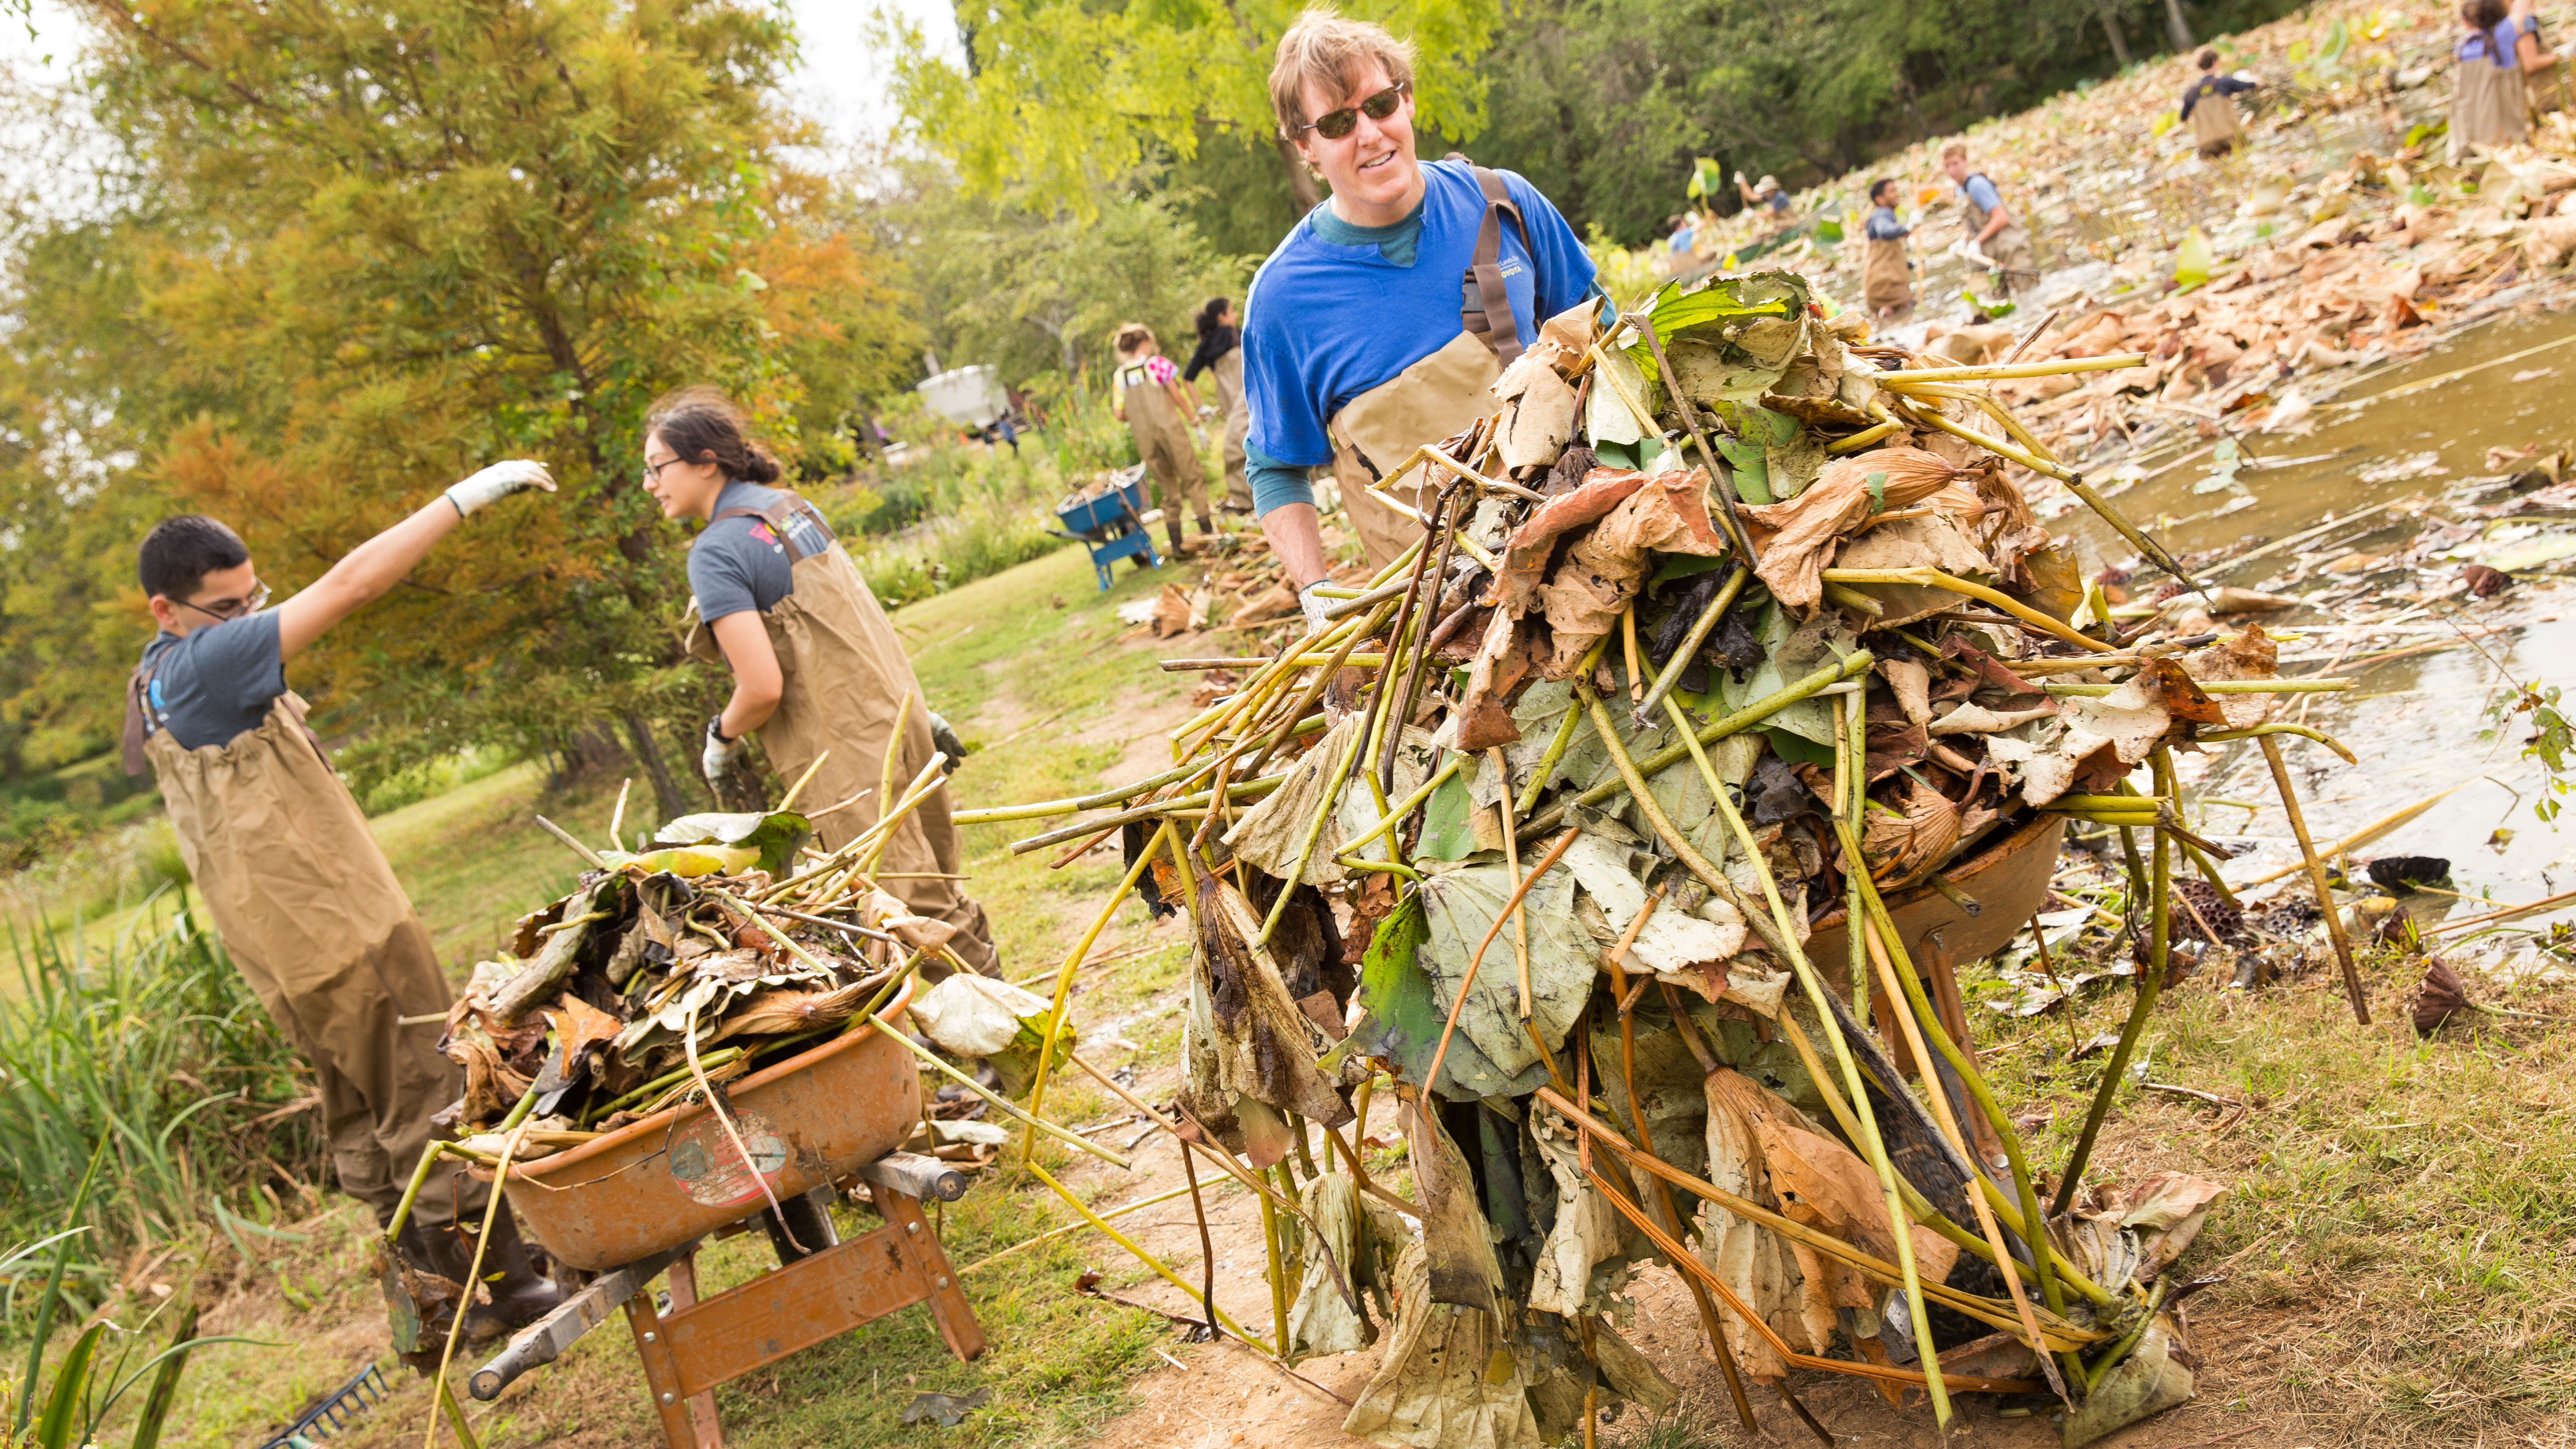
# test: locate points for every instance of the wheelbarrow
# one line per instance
(632, 1205)
(1111, 524)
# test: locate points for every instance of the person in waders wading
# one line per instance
(1146, 395)
(1886, 282)
(298, 890)
(1220, 356)
(2490, 95)
(1994, 232)
(1379, 322)
(816, 664)
(2208, 103)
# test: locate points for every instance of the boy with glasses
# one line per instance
(305, 903)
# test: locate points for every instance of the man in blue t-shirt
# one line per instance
(1352, 340)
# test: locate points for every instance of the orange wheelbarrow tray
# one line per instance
(675, 1176)
(633, 1203)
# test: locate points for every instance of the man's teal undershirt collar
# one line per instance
(1395, 243)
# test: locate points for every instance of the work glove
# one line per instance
(1739, 178)
(721, 754)
(1314, 605)
(498, 482)
(1967, 250)
(944, 735)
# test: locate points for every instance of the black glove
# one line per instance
(944, 735)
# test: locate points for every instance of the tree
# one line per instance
(1036, 292)
(364, 248)
(1061, 96)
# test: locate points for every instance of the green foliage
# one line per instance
(1038, 289)
(314, 294)
(2552, 741)
(1609, 105)
(1060, 96)
(155, 1045)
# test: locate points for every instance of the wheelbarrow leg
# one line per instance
(922, 1253)
(702, 1407)
(661, 1371)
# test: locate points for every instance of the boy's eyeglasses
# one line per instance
(1334, 125)
(225, 609)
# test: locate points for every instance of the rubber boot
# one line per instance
(521, 1291)
(1172, 531)
(1206, 524)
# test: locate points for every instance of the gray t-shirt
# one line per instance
(739, 564)
(217, 683)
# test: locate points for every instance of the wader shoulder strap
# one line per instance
(140, 719)
(776, 516)
(1484, 296)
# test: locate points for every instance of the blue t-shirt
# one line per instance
(217, 684)
(1981, 192)
(738, 564)
(1777, 201)
(1326, 322)
(1395, 243)
(2497, 45)
(1883, 225)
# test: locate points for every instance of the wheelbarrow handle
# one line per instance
(543, 1341)
(915, 1175)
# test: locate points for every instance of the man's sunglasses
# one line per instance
(1334, 125)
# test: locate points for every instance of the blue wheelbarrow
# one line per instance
(1110, 524)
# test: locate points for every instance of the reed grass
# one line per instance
(152, 1042)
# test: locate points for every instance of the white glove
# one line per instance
(1314, 605)
(1967, 250)
(1739, 178)
(721, 753)
(498, 482)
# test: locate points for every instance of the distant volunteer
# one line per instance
(1994, 232)
(816, 664)
(1378, 324)
(1220, 356)
(1146, 395)
(1765, 197)
(1886, 275)
(2208, 104)
(2490, 95)
(303, 899)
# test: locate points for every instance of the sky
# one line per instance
(843, 81)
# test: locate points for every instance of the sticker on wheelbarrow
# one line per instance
(710, 1169)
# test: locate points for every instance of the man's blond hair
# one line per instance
(1955, 148)
(1330, 51)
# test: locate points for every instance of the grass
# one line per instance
(2398, 1247)
(153, 1045)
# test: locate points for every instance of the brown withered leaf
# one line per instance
(1606, 567)
(1795, 537)
(784, 1009)
(578, 1027)
(2183, 698)
(1526, 553)
(1502, 662)
(1900, 848)
(2442, 996)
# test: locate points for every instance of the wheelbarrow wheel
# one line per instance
(807, 1228)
